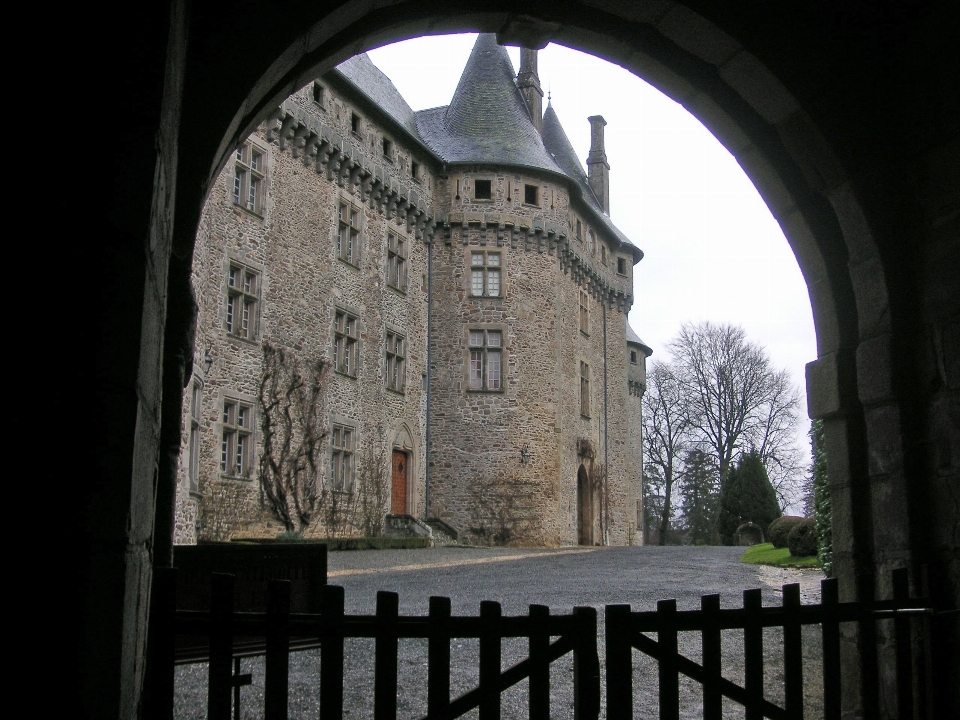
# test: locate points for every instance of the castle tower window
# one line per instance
(348, 234)
(396, 370)
(248, 178)
(603, 253)
(319, 93)
(355, 123)
(485, 360)
(388, 149)
(485, 274)
(633, 357)
(621, 266)
(236, 445)
(196, 397)
(579, 230)
(481, 190)
(415, 170)
(345, 343)
(396, 262)
(243, 294)
(584, 389)
(584, 313)
(342, 467)
(531, 195)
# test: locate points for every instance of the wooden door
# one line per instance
(398, 484)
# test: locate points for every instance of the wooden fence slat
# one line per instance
(753, 653)
(904, 654)
(161, 650)
(792, 652)
(586, 665)
(277, 661)
(385, 660)
(331, 654)
(668, 676)
(221, 646)
(712, 658)
(830, 647)
(867, 647)
(539, 648)
(438, 658)
(618, 632)
(490, 643)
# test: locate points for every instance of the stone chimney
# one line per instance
(598, 170)
(529, 83)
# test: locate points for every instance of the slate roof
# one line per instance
(634, 339)
(371, 81)
(487, 121)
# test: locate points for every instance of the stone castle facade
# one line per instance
(457, 273)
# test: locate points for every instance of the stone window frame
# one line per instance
(319, 95)
(416, 171)
(343, 455)
(389, 147)
(579, 230)
(491, 182)
(345, 352)
(241, 311)
(237, 429)
(356, 124)
(483, 353)
(486, 271)
(584, 312)
(622, 265)
(584, 389)
(527, 187)
(347, 241)
(395, 359)
(193, 435)
(633, 357)
(397, 260)
(248, 186)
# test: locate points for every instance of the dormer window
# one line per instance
(481, 190)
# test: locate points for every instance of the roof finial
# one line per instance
(549, 95)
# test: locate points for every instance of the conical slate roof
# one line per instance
(487, 121)
(634, 339)
(558, 145)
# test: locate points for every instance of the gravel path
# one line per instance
(561, 579)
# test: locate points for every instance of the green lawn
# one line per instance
(767, 554)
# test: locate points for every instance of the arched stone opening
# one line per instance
(857, 162)
(586, 515)
(403, 477)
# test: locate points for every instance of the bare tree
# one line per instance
(666, 434)
(736, 401)
(373, 491)
(291, 393)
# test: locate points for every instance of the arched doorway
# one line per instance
(861, 202)
(586, 517)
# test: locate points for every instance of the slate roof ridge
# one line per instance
(361, 72)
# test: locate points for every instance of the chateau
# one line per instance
(454, 279)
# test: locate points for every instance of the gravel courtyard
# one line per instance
(560, 578)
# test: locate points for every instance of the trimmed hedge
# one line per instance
(778, 530)
(802, 539)
(353, 543)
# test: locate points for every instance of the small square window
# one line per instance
(481, 189)
(531, 195)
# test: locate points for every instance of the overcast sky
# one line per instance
(712, 249)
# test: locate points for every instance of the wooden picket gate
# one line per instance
(625, 632)
(222, 636)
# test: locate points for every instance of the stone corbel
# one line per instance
(310, 148)
(271, 123)
(413, 215)
(287, 128)
(333, 163)
(501, 228)
(299, 139)
(465, 230)
(357, 174)
(366, 187)
(447, 233)
(392, 199)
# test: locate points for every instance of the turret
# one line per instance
(529, 83)
(598, 170)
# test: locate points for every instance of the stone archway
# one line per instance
(586, 515)
(869, 209)
(403, 485)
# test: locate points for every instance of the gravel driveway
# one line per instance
(560, 578)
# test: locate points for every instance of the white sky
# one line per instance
(712, 249)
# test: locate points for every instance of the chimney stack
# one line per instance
(529, 83)
(598, 170)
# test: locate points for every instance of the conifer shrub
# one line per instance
(802, 539)
(746, 496)
(779, 529)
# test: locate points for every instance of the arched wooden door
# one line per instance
(398, 483)
(584, 509)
